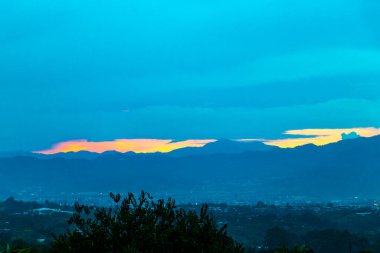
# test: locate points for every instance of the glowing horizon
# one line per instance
(123, 145)
(319, 137)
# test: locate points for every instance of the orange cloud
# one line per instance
(320, 137)
(123, 145)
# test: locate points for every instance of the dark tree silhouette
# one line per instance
(143, 225)
(278, 237)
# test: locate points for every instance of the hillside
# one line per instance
(341, 170)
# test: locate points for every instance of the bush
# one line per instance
(143, 225)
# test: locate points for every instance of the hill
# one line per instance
(341, 170)
(222, 146)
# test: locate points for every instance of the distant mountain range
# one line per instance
(223, 146)
(223, 171)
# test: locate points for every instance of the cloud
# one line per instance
(352, 135)
(320, 137)
(308, 136)
(315, 63)
(38, 132)
(186, 70)
(274, 94)
(123, 145)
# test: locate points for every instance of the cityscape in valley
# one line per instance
(190, 126)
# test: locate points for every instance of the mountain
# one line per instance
(15, 153)
(78, 155)
(336, 171)
(223, 146)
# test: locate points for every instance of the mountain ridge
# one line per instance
(339, 170)
(223, 146)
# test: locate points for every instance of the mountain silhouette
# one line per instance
(222, 146)
(345, 169)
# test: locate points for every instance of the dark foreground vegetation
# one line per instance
(140, 224)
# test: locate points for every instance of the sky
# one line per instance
(185, 72)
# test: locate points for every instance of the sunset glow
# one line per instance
(319, 137)
(123, 145)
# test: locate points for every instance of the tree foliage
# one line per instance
(142, 225)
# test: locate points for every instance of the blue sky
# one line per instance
(104, 70)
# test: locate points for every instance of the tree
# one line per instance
(278, 237)
(333, 240)
(143, 226)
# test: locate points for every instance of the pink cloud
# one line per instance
(123, 145)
